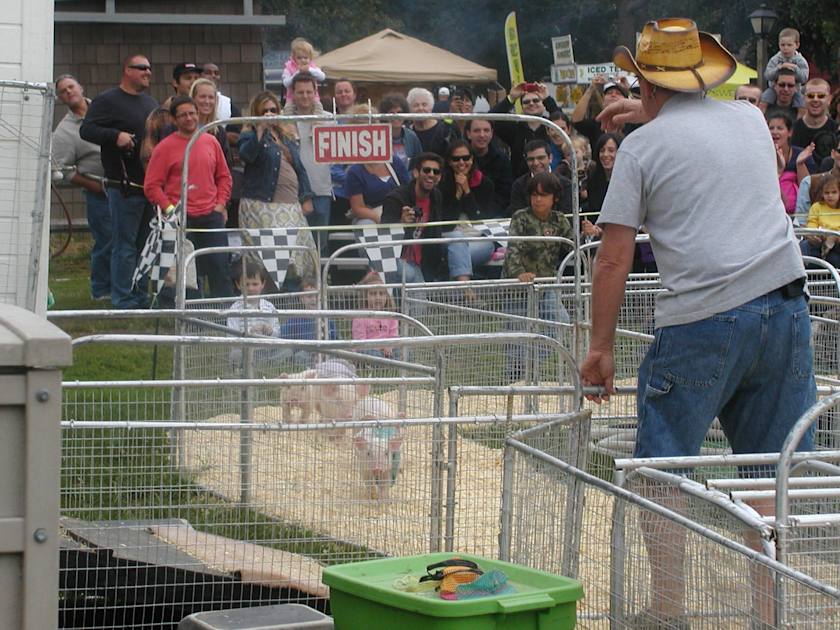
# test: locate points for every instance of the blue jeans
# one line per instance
(99, 222)
(463, 257)
(320, 215)
(214, 266)
(127, 215)
(751, 367)
(550, 309)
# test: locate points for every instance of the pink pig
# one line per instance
(377, 449)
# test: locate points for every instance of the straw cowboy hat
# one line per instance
(673, 54)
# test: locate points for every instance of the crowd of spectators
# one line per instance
(127, 152)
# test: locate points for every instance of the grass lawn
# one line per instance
(109, 474)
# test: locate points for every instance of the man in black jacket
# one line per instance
(518, 134)
(489, 159)
(116, 121)
(419, 201)
(538, 159)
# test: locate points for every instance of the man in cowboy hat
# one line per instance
(732, 328)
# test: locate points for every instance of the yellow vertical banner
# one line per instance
(517, 76)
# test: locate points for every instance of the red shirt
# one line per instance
(414, 253)
(210, 182)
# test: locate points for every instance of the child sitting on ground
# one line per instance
(305, 328)
(790, 57)
(250, 277)
(376, 298)
(825, 214)
(300, 60)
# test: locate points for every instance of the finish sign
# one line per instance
(352, 144)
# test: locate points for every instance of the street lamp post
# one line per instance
(762, 20)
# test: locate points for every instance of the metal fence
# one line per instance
(650, 558)
(26, 111)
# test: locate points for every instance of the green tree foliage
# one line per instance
(474, 30)
(818, 23)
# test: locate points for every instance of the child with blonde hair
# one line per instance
(788, 57)
(300, 60)
(376, 298)
(825, 214)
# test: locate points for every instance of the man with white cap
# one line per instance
(441, 105)
(732, 330)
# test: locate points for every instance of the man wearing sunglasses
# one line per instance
(535, 102)
(116, 121)
(785, 88)
(816, 125)
(751, 93)
(419, 201)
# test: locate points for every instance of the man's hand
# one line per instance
(598, 80)
(615, 115)
(306, 207)
(221, 209)
(598, 369)
(407, 215)
(526, 276)
(125, 141)
(590, 229)
(516, 92)
(542, 91)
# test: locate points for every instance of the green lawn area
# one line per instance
(111, 475)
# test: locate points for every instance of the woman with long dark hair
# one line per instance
(468, 195)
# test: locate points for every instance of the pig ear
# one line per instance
(359, 442)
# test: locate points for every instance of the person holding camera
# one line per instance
(419, 202)
(116, 121)
(535, 102)
(602, 91)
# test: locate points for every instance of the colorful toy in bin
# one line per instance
(455, 593)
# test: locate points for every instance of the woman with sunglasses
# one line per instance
(276, 190)
(468, 195)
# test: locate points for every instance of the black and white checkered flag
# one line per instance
(493, 229)
(383, 259)
(158, 254)
(276, 255)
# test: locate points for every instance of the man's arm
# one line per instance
(614, 116)
(154, 183)
(615, 257)
(224, 180)
(96, 127)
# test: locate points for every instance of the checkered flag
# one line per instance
(158, 254)
(276, 256)
(494, 229)
(383, 259)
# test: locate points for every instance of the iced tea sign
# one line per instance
(352, 144)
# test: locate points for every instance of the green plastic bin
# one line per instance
(362, 597)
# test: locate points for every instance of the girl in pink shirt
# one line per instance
(376, 298)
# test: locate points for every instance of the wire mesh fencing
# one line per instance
(208, 492)
(643, 563)
(26, 111)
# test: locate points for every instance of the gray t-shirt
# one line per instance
(68, 149)
(701, 177)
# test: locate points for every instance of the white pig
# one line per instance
(337, 403)
(377, 449)
(302, 397)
